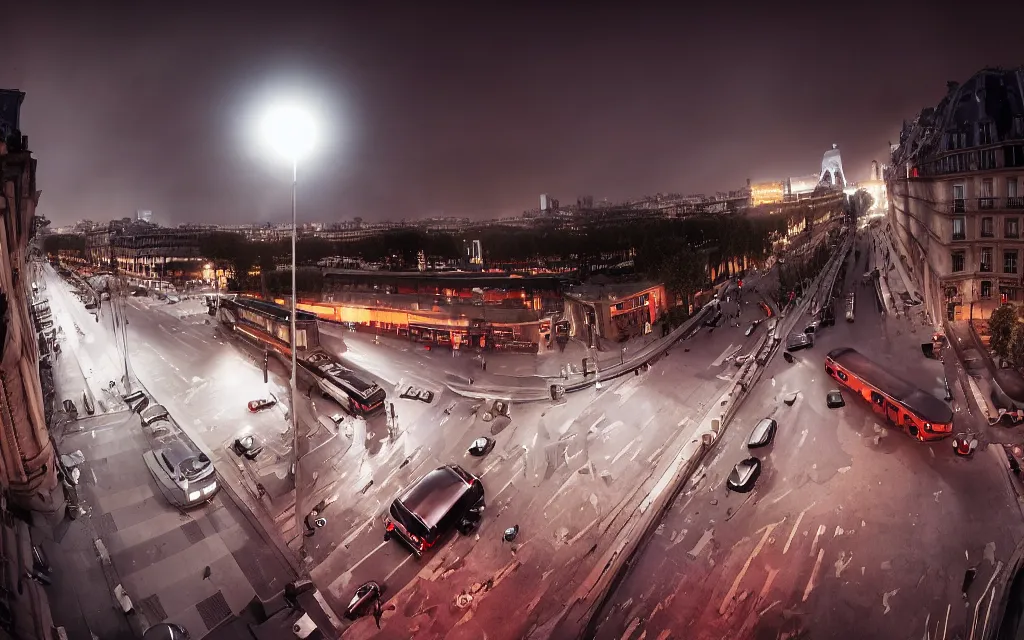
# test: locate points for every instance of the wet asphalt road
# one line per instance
(854, 530)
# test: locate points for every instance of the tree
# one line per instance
(1016, 347)
(1000, 327)
(685, 273)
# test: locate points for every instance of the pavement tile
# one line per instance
(140, 533)
(214, 610)
(185, 593)
(226, 575)
(132, 559)
(127, 497)
(262, 568)
(139, 512)
(191, 620)
(172, 569)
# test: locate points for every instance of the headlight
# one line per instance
(195, 495)
(210, 489)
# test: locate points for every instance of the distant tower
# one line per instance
(144, 215)
(876, 174)
(476, 255)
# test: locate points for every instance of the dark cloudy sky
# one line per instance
(469, 112)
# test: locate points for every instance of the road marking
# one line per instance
(703, 542)
(814, 575)
(400, 565)
(803, 437)
(814, 545)
(776, 500)
(746, 565)
(988, 612)
(342, 580)
(767, 585)
(945, 625)
(624, 450)
(796, 525)
(731, 349)
(974, 620)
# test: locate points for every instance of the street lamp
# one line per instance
(288, 129)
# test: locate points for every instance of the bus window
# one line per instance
(830, 371)
(876, 398)
(892, 412)
(842, 376)
(908, 422)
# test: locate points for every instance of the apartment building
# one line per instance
(956, 190)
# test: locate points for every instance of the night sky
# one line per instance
(469, 112)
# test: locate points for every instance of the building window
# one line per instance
(959, 228)
(1010, 261)
(986, 289)
(1013, 199)
(959, 203)
(958, 261)
(988, 228)
(985, 264)
(986, 201)
(988, 159)
(1011, 228)
(1018, 125)
(985, 133)
(1007, 294)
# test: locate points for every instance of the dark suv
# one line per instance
(447, 498)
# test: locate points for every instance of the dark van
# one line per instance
(447, 498)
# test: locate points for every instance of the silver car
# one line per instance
(186, 477)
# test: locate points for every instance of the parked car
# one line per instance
(797, 341)
(136, 400)
(763, 433)
(415, 393)
(812, 328)
(744, 475)
(153, 414)
(186, 476)
(447, 498)
(247, 446)
(256, 406)
(834, 399)
(752, 328)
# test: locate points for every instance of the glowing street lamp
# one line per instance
(289, 130)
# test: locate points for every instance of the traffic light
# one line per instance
(266, 367)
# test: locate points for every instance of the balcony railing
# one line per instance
(959, 236)
(966, 205)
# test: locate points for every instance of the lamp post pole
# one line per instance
(295, 382)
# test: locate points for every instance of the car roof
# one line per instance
(434, 495)
(177, 452)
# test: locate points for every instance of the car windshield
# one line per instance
(194, 467)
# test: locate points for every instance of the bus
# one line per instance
(359, 396)
(268, 326)
(914, 411)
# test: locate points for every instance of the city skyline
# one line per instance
(466, 115)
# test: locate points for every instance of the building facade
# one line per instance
(956, 191)
(160, 253)
(461, 310)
